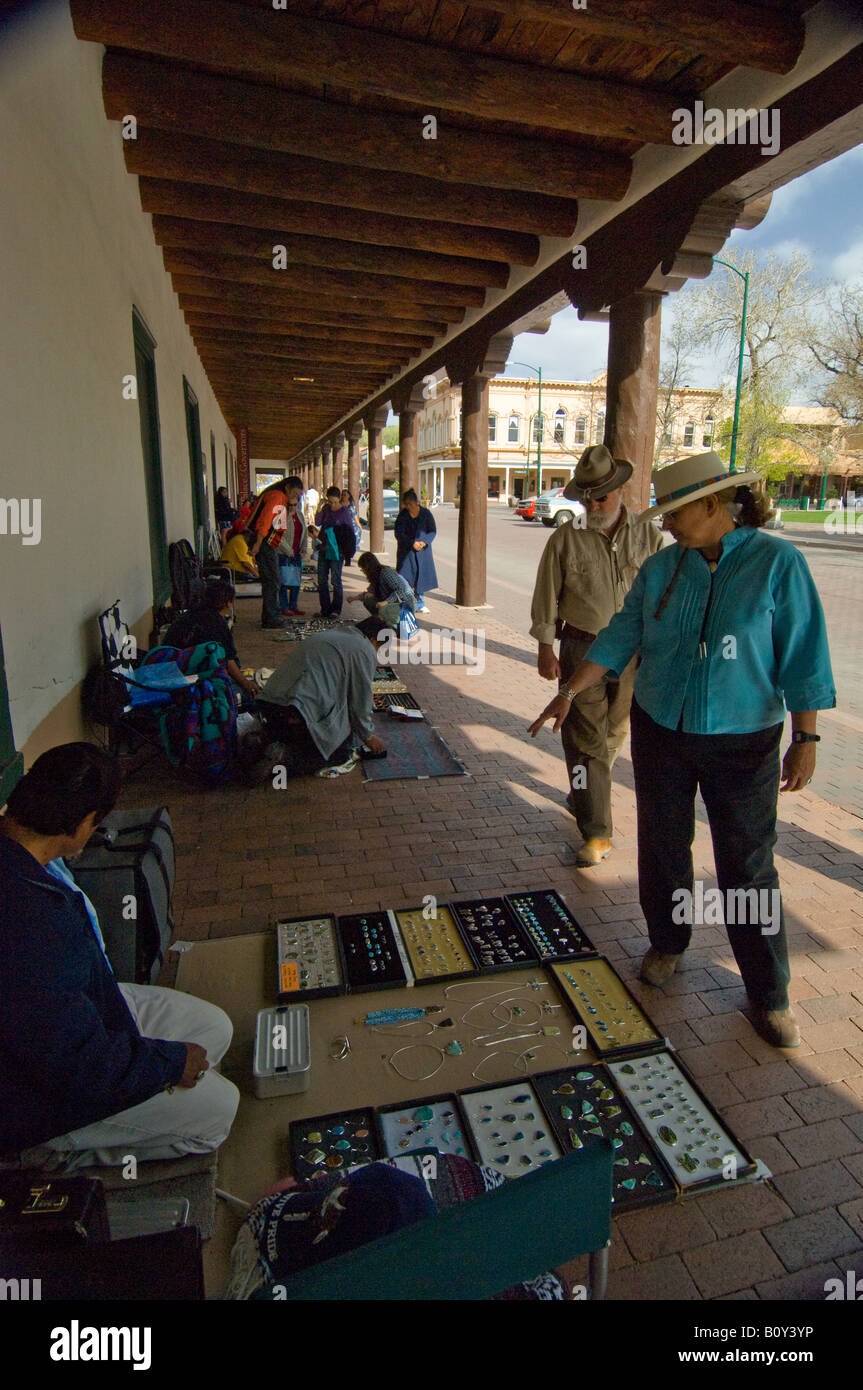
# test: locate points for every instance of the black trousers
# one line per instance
(302, 755)
(271, 580)
(738, 775)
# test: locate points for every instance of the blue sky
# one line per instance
(820, 213)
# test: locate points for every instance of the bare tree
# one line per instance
(675, 367)
(837, 346)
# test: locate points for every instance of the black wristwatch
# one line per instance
(800, 737)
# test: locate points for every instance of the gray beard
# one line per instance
(600, 521)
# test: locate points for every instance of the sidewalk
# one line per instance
(248, 856)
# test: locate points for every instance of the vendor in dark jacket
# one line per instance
(89, 1066)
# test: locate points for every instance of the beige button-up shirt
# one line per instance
(583, 577)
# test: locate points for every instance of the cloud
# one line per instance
(848, 265)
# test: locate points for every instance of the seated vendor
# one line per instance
(385, 596)
(235, 553)
(319, 702)
(208, 622)
(91, 1070)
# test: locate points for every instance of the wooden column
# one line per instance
(338, 479)
(472, 518)
(407, 405)
(327, 471)
(316, 469)
(470, 586)
(355, 430)
(634, 332)
(374, 422)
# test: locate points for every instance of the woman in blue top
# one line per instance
(415, 530)
(731, 633)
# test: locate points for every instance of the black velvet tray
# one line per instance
(640, 1179)
(374, 953)
(324, 1135)
(555, 933)
(496, 944)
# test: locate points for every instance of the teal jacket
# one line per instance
(730, 651)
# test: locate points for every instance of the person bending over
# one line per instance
(92, 1070)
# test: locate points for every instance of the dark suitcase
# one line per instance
(127, 871)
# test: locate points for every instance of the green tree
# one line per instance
(836, 343)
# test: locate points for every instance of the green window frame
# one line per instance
(151, 448)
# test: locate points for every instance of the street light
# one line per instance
(538, 371)
(744, 276)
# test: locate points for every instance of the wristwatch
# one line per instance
(800, 737)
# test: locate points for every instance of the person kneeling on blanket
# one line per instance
(92, 1071)
(389, 599)
(317, 708)
(301, 1224)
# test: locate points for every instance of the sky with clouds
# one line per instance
(820, 214)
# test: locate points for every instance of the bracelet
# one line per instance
(567, 694)
(801, 737)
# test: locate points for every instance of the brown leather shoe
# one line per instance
(776, 1026)
(656, 967)
(593, 851)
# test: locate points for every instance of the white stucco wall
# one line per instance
(77, 254)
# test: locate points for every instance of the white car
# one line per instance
(553, 509)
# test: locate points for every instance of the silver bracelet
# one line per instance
(567, 694)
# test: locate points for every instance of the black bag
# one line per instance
(35, 1206)
(187, 580)
(127, 871)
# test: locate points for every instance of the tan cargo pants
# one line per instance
(592, 738)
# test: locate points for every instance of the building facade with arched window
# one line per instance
(573, 416)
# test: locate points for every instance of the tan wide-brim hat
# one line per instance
(689, 478)
(597, 473)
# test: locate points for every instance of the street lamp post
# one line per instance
(538, 371)
(744, 276)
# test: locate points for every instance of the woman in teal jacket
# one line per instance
(730, 633)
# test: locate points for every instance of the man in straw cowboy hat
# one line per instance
(584, 575)
(731, 634)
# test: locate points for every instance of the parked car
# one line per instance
(527, 510)
(392, 507)
(553, 509)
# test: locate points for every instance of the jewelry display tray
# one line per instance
(649, 1041)
(702, 1179)
(548, 906)
(624, 1129)
(450, 941)
(296, 996)
(395, 970)
(327, 1126)
(395, 1137)
(477, 936)
(522, 1133)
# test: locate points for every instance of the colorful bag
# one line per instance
(200, 733)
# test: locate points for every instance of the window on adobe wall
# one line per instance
(492, 428)
(538, 427)
(513, 429)
(709, 430)
(688, 434)
(580, 430)
(599, 433)
(559, 423)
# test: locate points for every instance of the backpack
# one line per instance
(187, 580)
(200, 733)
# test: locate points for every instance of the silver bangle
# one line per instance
(567, 694)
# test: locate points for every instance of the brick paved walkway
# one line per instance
(245, 856)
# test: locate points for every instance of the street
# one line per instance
(836, 562)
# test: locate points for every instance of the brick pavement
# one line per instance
(248, 855)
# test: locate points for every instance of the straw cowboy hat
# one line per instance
(596, 472)
(690, 478)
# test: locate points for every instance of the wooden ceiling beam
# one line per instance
(220, 238)
(346, 284)
(276, 325)
(722, 30)
(280, 48)
(269, 346)
(216, 205)
(324, 189)
(198, 103)
(223, 295)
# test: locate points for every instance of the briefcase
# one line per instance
(35, 1206)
